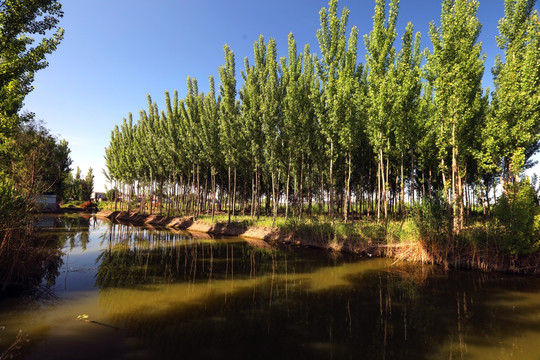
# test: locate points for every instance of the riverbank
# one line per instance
(273, 235)
(395, 243)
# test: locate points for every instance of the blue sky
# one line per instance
(116, 52)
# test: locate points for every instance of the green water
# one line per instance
(157, 294)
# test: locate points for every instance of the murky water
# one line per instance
(159, 294)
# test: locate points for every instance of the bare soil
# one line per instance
(402, 251)
(265, 235)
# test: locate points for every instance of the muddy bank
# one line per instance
(267, 234)
(458, 258)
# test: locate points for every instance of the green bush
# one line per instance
(431, 218)
(13, 205)
(517, 216)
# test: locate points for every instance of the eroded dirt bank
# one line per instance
(268, 234)
(466, 258)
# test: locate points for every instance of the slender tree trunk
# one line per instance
(142, 204)
(301, 190)
(386, 189)
(229, 196)
(321, 210)
(287, 188)
(483, 192)
(379, 191)
(274, 197)
(347, 196)
(199, 196)
(182, 196)
(245, 195)
(151, 194)
(234, 195)
(331, 187)
(213, 194)
(258, 182)
(423, 185)
(411, 195)
(402, 189)
(205, 203)
(309, 189)
(253, 194)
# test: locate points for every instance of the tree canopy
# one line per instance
(332, 135)
(20, 55)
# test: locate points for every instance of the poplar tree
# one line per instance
(379, 65)
(191, 111)
(210, 136)
(251, 96)
(455, 68)
(230, 131)
(407, 85)
(348, 117)
(293, 119)
(333, 45)
(515, 124)
(299, 122)
(271, 119)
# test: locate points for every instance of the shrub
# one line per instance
(431, 219)
(13, 205)
(517, 217)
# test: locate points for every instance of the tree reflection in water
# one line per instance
(31, 268)
(205, 297)
(172, 294)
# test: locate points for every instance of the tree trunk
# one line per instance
(274, 197)
(234, 195)
(258, 184)
(287, 188)
(402, 190)
(309, 189)
(321, 210)
(213, 194)
(199, 197)
(379, 191)
(253, 194)
(229, 196)
(331, 188)
(423, 185)
(301, 191)
(347, 197)
(411, 195)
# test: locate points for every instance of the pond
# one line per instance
(139, 293)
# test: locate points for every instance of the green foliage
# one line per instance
(12, 206)
(516, 99)
(80, 189)
(518, 219)
(19, 20)
(332, 134)
(431, 219)
(111, 194)
(36, 161)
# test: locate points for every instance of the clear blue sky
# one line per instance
(116, 52)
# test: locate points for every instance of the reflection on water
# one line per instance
(150, 293)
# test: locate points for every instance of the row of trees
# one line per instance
(32, 161)
(77, 187)
(332, 134)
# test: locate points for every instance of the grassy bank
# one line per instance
(423, 235)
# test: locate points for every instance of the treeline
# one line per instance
(330, 134)
(32, 161)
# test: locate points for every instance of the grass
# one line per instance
(71, 204)
(314, 226)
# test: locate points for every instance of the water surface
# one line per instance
(150, 293)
